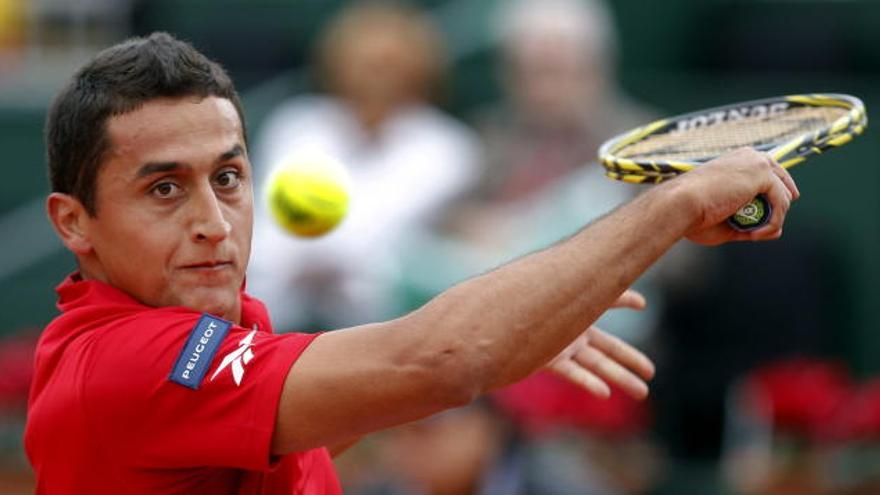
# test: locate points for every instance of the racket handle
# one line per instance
(752, 215)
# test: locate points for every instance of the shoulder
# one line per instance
(176, 360)
(173, 386)
(148, 329)
(136, 349)
(154, 347)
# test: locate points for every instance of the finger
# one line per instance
(788, 182)
(611, 371)
(583, 378)
(622, 352)
(787, 179)
(630, 299)
(779, 197)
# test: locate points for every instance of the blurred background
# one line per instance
(470, 129)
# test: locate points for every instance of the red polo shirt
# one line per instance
(118, 403)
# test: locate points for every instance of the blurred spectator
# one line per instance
(540, 180)
(11, 25)
(463, 451)
(742, 314)
(12, 34)
(543, 436)
(803, 426)
(607, 442)
(381, 64)
(562, 101)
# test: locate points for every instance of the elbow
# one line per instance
(450, 394)
(450, 355)
(456, 371)
(459, 380)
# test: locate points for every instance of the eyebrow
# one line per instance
(159, 167)
(151, 168)
(236, 150)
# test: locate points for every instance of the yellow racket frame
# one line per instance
(787, 154)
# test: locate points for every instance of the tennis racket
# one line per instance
(788, 128)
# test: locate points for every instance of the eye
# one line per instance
(165, 190)
(228, 179)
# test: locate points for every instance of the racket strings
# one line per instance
(710, 141)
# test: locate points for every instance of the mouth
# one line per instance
(209, 265)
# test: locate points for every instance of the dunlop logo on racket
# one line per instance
(790, 129)
(731, 115)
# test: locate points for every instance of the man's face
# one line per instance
(174, 206)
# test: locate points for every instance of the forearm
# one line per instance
(513, 320)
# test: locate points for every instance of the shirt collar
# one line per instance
(75, 292)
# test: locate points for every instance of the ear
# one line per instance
(69, 218)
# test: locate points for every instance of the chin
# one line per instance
(222, 305)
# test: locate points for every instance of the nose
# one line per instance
(209, 222)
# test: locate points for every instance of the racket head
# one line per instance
(789, 128)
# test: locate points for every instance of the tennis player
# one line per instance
(161, 375)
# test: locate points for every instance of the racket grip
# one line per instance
(751, 215)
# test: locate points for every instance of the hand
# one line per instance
(723, 185)
(596, 358)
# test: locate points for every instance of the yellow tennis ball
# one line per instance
(309, 194)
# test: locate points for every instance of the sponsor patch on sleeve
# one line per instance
(194, 360)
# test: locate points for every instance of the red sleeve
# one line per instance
(144, 416)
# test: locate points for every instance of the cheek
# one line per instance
(142, 243)
(242, 220)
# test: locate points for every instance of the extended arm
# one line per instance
(497, 328)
